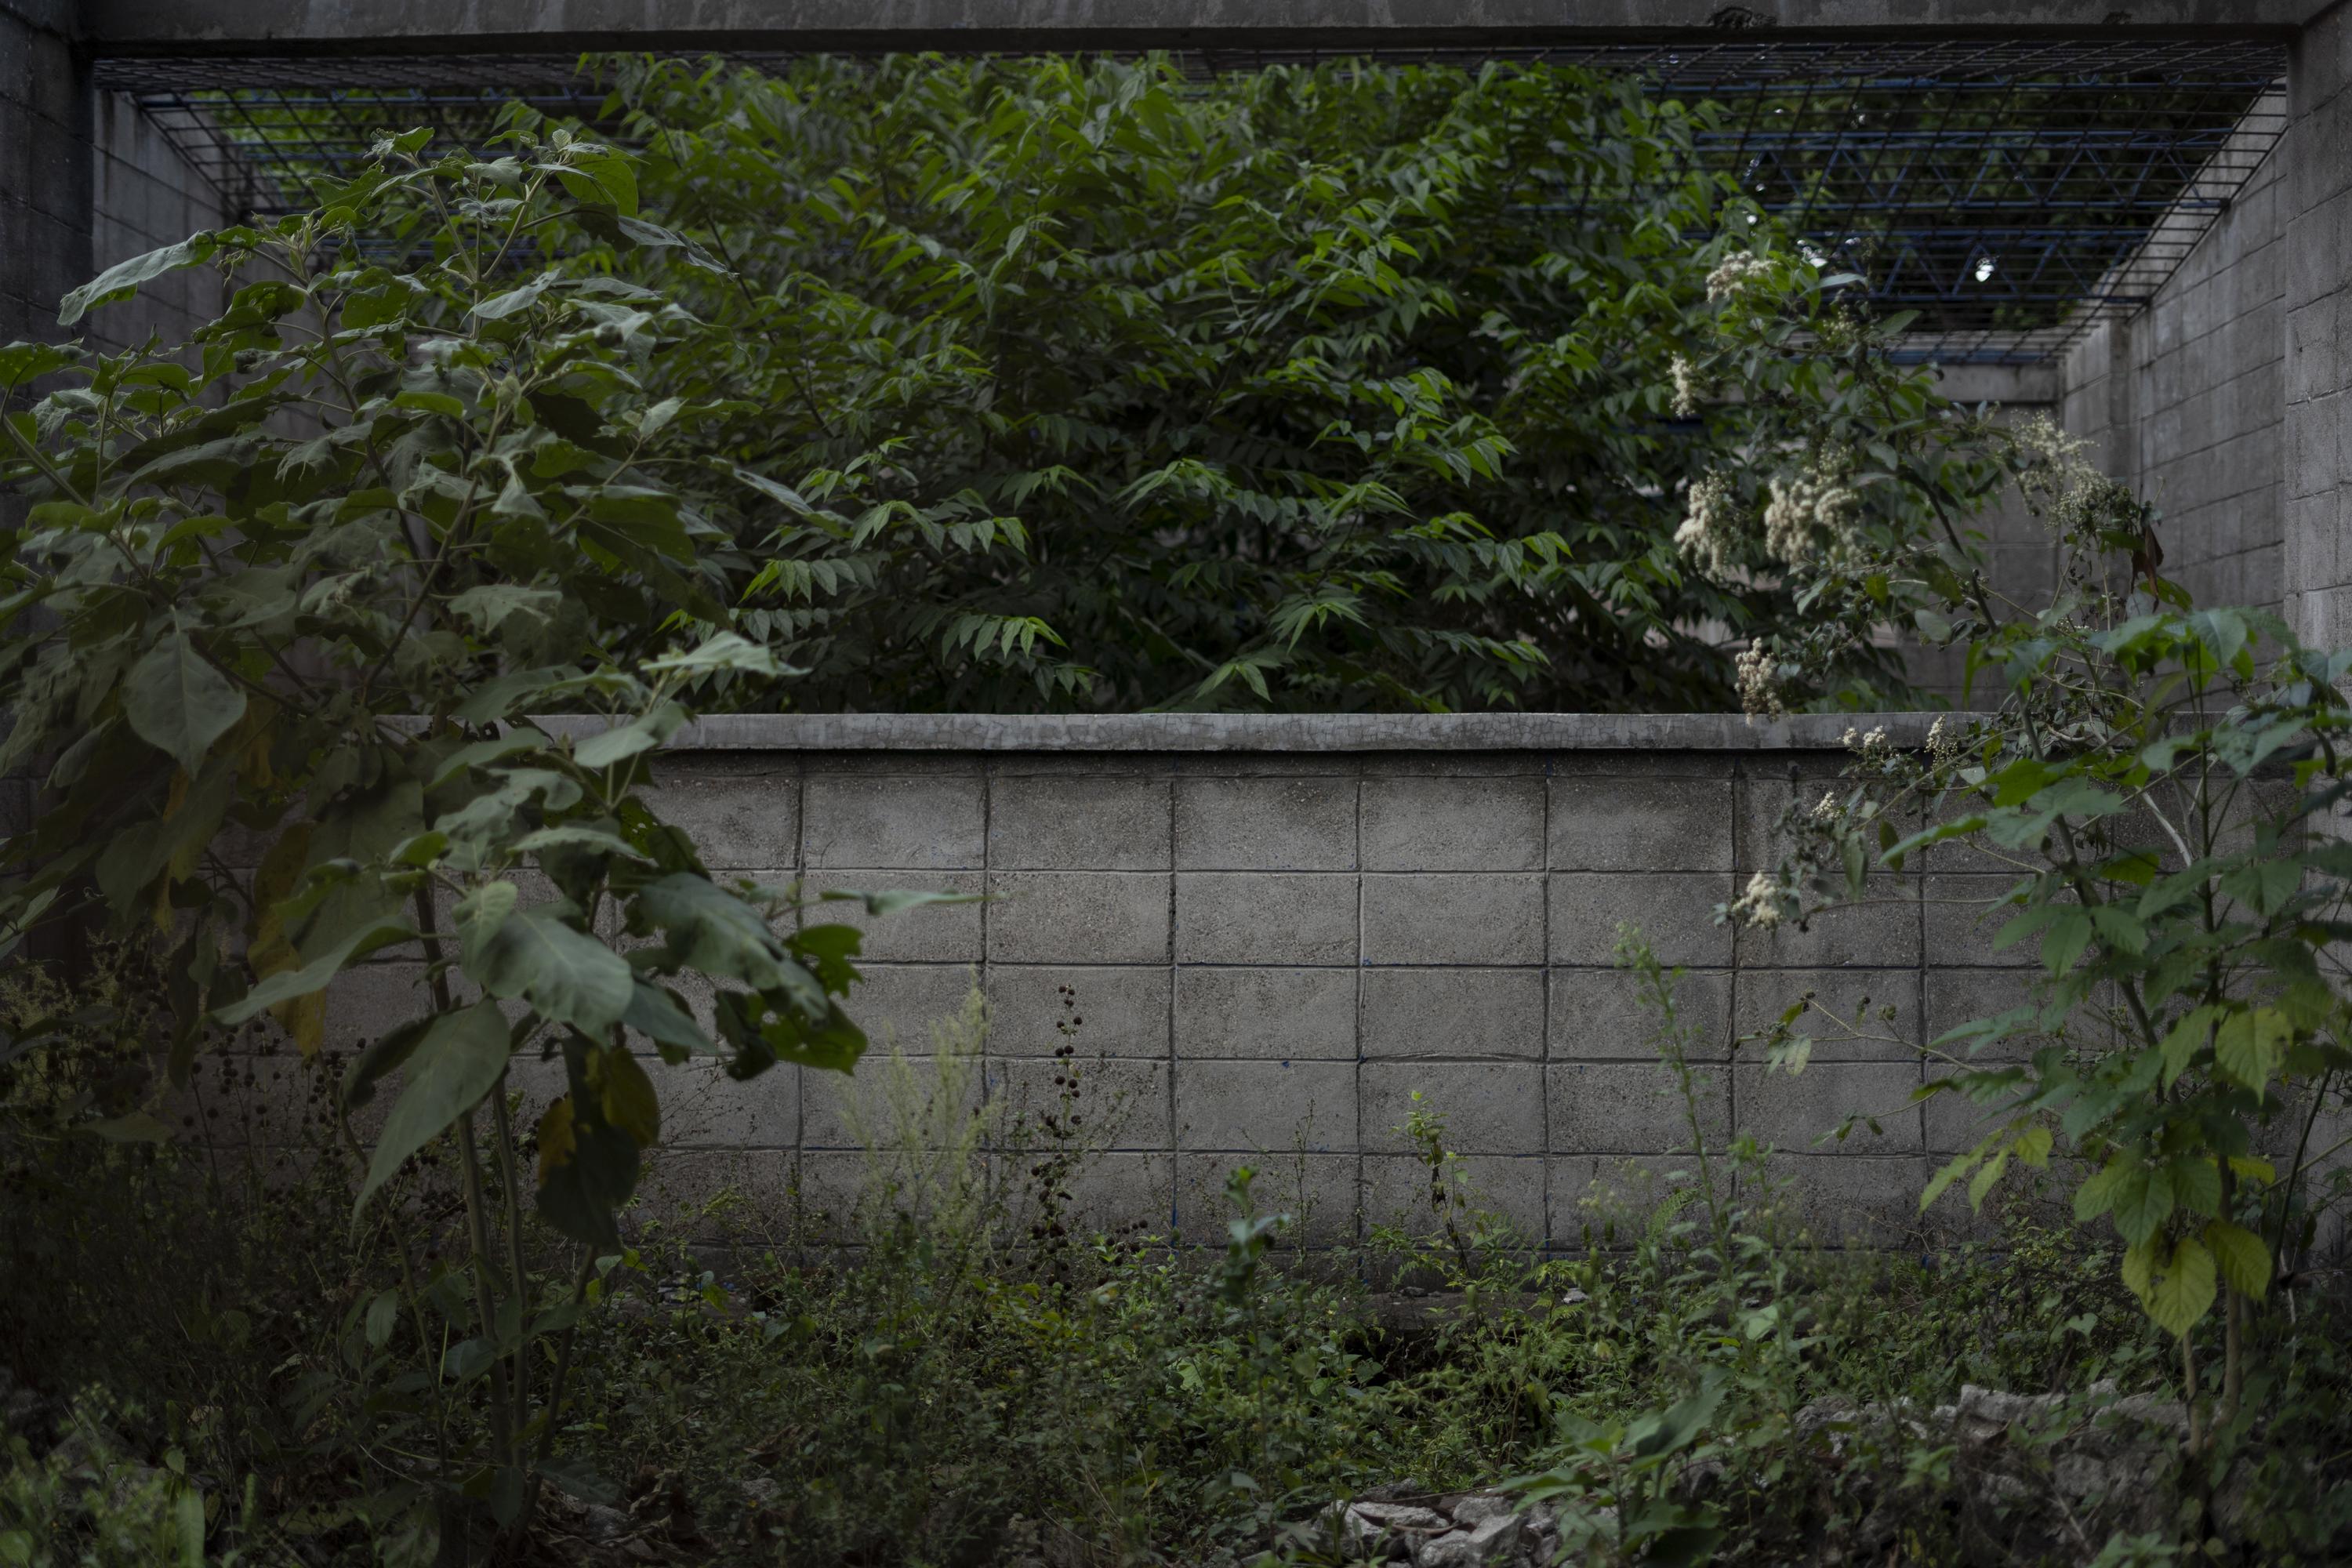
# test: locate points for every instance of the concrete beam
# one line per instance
(262, 26)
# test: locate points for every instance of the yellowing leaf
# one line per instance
(2184, 1292)
(556, 1139)
(304, 1018)
(2139, 1270)
(626, 1095)
(279, 873)
(2244, 1261)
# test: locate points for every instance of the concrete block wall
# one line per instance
(1278, 931)
(2187, 399)
(2317, 198)
(144, 195)
(45, 166)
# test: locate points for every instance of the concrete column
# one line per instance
(45, 166)
(2318, 559)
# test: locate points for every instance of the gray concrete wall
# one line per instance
(1278, 930)
(2316, 197)
(45, 166)
(143, 195)
(2187, 400)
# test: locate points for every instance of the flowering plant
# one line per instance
(2153, 799)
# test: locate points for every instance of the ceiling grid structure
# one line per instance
(2011, 191)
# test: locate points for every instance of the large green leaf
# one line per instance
(123, 276)
(456, 1061)
(177, 702)
(712, 931)
(566, 974)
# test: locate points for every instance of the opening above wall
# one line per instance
(2013, 192)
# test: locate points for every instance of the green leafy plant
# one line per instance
(1615, 1486)
(2155, 789)
(275, 612)
(1077, 384)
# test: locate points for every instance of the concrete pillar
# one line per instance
(2317, 569)
(45, 166)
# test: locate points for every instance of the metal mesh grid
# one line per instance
(2012, 193)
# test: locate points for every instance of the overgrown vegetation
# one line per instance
(1023, 383)
(1698, 1378)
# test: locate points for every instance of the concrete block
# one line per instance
(1452, 1012)
(1238, 917)
(1794, 1112)
(1845, 1002)
(1763, 801)
(743, 813)
(913, 823)
(1276, 824)
(1956, 996)
(938, 933)
(1640, 824)
(1103, 917)
(1603, 1201)
(1105, 823)
(1597, 1014)
(1632, 1108)
(904, 1004)
(1318, 1191)
(1489, 1108)
(1246, 1107)
(1124, 1194)
(1953, 1120)
(1120, 1009)
(367, 1001)
(1881, 931)
(1278, 1013)
(702, 1108)
(1961, 921)
(1470, 918)
(1862, 1199)
(1673, 910)
(905, 1102)
(835, 1194)
(1454, 824)
(1508, 1186)
(749, 1197)
(1118, 1102)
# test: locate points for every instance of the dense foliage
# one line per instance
(1079, 384)
(272, 612)
(2154, 800)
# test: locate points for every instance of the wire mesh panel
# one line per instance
(2012, 193)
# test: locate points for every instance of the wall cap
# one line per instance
(1271, 731)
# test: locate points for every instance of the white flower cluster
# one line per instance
(1826, 809)
(1739, 273)
(1763, 904)
(1710, 530)
(1686, 387)
(1760, 688)
(1943, 744)
(1870, 748)
(1815, 504)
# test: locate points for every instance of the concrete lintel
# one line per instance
(235, 27)
(1271, 732)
